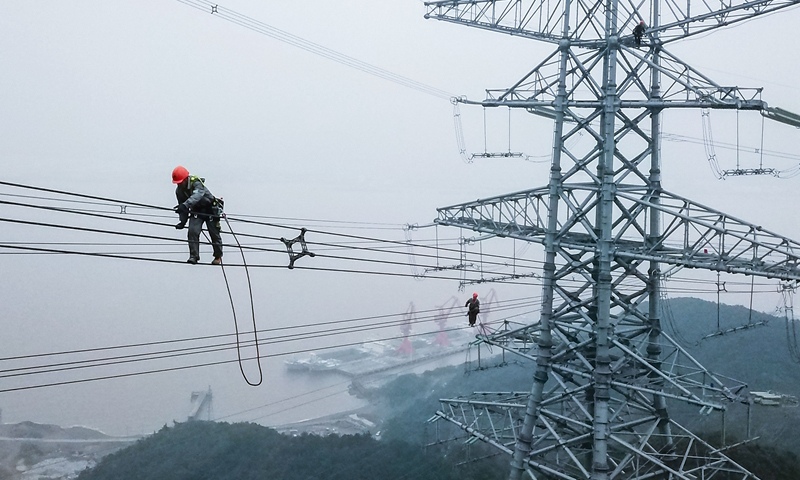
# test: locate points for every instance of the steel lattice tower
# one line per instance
(605, 372)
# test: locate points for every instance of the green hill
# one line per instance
(244, 451)
(758, 356)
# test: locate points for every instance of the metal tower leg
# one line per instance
(545, 342)
(654, 273)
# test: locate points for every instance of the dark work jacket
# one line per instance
(474, 309)
(195, 195)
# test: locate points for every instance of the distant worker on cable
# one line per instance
(474, 309)
(638, 33)
(197, 205)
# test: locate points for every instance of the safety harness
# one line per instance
(217, 206)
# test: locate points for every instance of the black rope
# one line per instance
(252, 311)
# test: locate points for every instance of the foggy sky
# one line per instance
(106, 98)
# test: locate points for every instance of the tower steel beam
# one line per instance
(681, 86)
(606, 376)
(492, 418)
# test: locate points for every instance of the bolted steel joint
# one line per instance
(603, 360)
(524, 444)
(653, 349)
(662, 413)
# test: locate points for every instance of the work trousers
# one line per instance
(196, 227)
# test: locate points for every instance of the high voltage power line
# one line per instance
(28, 247)
(237, 218)
(215, 363)
(208, 337)
(205, 349)
(315, 48)
(294, 333)
(340, 270)
(293, 397)
(10, 372)
(521, 262)
(486, 259)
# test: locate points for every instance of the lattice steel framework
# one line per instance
(605, 372)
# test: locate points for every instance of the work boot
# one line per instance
(192, 260)
(217, 261)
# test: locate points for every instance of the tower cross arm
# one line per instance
(533, 19)
(543, 20)
(704, 17)
(694, 236)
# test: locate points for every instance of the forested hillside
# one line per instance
(245, 451)
(758, 356)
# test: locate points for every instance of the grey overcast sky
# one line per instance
(106, 97)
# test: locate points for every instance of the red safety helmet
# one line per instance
(641, 23)
(474, 295)
(179, 174)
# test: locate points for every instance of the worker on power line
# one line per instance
(638, 33)
(474, 309)
(197, 205)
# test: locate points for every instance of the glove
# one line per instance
(183, 214)
(180, 226)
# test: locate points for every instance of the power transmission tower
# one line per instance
(606, 375)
